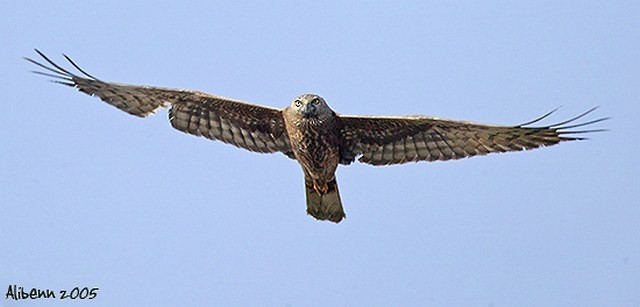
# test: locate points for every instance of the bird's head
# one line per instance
(311, 106)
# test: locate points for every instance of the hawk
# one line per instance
(314, 135)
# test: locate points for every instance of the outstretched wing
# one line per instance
(245, 125)
(395, 140)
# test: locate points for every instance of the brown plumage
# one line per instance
(314, 135)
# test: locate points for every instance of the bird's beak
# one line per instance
(308, 110)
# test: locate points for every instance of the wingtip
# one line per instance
(78, 67)
(39, 53)
(540, 118)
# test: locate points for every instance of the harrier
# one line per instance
(310, 132)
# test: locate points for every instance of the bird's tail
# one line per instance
(324, 205)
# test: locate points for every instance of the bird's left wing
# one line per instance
(253, 127)
(395, 140)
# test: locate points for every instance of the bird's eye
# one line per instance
(316, 101)
(298, 103)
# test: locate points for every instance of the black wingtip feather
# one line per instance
(78, 67)
(562, 129)
(585, 124)
(63, 83)
(57, 72)
(558, 125)
(584, 131)
(47, 67)
(539, 118)
(53, 63)
(51, 75)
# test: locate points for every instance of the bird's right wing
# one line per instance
(253, 127)
(381, 140)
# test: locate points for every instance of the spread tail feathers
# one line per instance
(324, 205)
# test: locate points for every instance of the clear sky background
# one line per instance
(93, 197)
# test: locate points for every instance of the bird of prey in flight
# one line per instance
(314, 135)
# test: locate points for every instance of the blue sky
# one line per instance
(93, 197)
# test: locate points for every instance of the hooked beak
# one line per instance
(309, 110)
